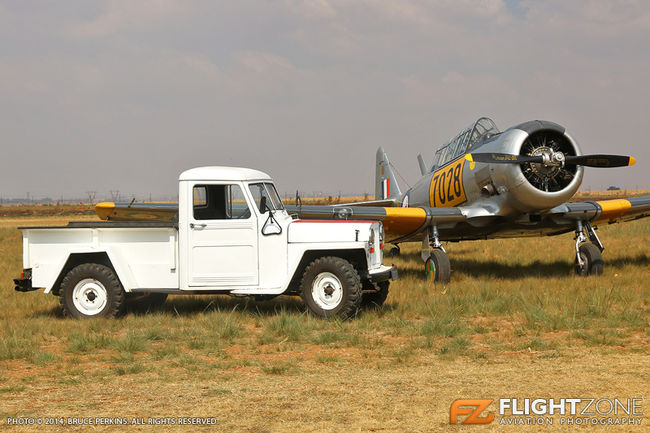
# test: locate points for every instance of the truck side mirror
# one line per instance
(271, 226)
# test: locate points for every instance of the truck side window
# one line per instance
(218, 202)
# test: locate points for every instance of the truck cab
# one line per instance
(229, 233)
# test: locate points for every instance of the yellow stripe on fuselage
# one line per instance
(613, 209)
(402, 221)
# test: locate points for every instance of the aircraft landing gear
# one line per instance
(436, 260)
(395, 251)
(589, 258)
(437, 267)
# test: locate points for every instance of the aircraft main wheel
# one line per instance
(376, 299)
(592, 260)
(331, 287)
(394, 252)
(91, 290)
(438, 268)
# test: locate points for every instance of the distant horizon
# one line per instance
(142, 198)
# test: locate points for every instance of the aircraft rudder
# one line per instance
(385, 183)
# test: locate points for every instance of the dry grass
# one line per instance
(609, 195)
(514, 322)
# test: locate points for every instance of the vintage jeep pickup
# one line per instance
(230, 233)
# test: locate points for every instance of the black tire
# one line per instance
(376, 299)
(437, 267)
(394, 252)
(331, 287)
(592, 258)
(91, 290)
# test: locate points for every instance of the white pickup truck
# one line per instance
(230, 234)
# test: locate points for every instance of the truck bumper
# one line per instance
(383, 273)
(24, 283)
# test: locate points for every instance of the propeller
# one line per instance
(555, 159)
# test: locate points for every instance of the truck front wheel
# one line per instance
(331, 287)
(91, 290)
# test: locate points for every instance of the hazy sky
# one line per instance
(124, 95)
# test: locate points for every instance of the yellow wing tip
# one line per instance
(632, 160)
(104, 209)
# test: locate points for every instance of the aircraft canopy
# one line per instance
(465, 140)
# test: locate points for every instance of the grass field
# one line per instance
(514, 322)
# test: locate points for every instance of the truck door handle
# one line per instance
(197, 226)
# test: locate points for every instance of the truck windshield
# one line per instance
(267, 190)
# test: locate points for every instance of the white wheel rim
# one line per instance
(327, 291)
(89, 297)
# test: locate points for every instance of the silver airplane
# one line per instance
(487, 184)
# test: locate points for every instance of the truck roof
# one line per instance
(223, 173)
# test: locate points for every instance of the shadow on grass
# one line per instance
(476, 268)
(496, 269)
(183, 305)
(192, 305)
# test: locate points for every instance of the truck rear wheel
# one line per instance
(91, 290)
(331, 287)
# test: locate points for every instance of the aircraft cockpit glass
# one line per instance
(266, 189)
(481, 129)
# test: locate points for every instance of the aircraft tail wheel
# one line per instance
(394, 252)
(437, 267)
(592, 260)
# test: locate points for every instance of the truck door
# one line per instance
(222, 238)
(273, 240)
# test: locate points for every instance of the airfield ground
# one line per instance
(514, 322)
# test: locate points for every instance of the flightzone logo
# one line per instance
(472, 409)
(541, 411)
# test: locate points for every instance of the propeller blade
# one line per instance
(585, 160)
(601, 160)
(505, 158)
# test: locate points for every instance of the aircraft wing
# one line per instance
(406, 223)
(467, 223)
(610, 211)
(137, 211)
(399, 222)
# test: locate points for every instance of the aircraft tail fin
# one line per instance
(386, 186)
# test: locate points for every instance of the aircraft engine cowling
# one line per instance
(532, 187)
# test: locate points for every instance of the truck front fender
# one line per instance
(355, 256)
